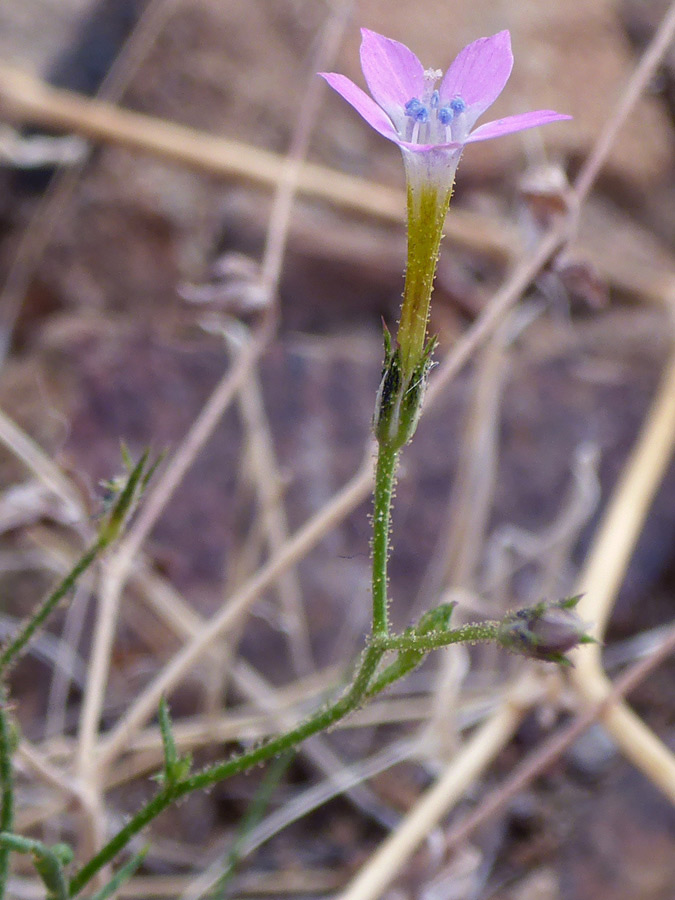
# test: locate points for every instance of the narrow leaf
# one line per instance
(124, 874)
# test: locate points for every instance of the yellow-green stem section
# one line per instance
(427, 208)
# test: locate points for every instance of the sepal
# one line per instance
(398, 404)
(546, 631)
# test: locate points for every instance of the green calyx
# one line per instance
(399, 397)
(427, 208)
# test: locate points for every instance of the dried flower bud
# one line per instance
(546, 631)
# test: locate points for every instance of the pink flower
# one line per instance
(426, 112)
(431, 117)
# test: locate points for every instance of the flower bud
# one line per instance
(546, 631)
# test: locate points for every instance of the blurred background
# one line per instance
(138, 264)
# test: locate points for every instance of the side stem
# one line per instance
(18, 643)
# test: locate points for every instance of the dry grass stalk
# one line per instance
(30, 100)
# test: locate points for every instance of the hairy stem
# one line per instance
(387, 459)
(321, 720)
(14, 648)
(364, 686)
(6, 787)
(481, 631)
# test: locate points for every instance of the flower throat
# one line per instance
(429, 121)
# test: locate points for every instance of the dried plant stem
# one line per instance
(35, 760)
(36, 460)
(26, 99)
(638, 83)
(120, 563)
(51, 209)
(143, 708)
(320, 721)
(269, 489)
(604, 571)
(489, 320)
(383, 866)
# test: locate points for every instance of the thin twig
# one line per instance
(201, 430)
(52, 207)
(650, 60)
(604, 572)
(368, 883)
(120, 562)
(25, 99)
(544, 757)
(269, 489)
(477, 753)
(298, 545)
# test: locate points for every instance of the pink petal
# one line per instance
(393, 73)
(479, 73)
(362, 103)
(510, 124)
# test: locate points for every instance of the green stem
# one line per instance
(14, 648)
(109, 531)
(414, 647)
(6, 788)
(387, 459)
(361, 688)
(48, 862)
(319, 722)
(482, 631)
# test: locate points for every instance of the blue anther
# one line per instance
(445, 115)
(457, 105)
(435, 100)
(417, 110)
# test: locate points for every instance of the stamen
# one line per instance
(435, 100)
(417, 110)
(457, 105)
(445, 115)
